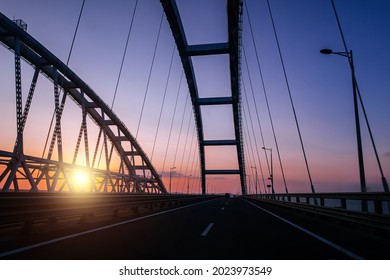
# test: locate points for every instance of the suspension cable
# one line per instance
(254, 136)
(75, 33)
(384, 181)
(173, 119)
(163, 102)
(150, 74)
(117, 81)
(181, 128)
(266, 100)
(185, 148)
(124, 53)
(256, 110)
(195, 161)
(189, 156)
(64, 97)
(250, 145)
(290, 96)
(248, 160)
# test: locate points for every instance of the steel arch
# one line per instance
(136, 173)
(232, 48)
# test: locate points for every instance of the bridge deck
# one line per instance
(221, 228)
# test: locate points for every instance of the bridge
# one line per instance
(162, 135)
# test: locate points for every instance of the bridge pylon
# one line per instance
(232, 49)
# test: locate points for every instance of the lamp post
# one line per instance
(188, 184)
(271, 175)
(349, 55)
(356, 109)
(256, 178)
(170, 179)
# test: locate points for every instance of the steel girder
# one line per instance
(232, 48)
(136, 173)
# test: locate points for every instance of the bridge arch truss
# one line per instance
(232, 49)
(134, 173)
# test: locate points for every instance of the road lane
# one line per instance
(157, 236)
(312, 234)
(224, 228)
(206, 231)
(367, 243)
(245, 232)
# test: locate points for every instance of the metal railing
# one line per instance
(346, 208)
(25, 210)
(378, 202)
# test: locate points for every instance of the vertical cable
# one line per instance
(75, 32)
(162, 104)
(64, 96)
(173, 119)
(118, 80)
(189, 155)
(181, 128)
(150, 74)
(266, 101)
(254, 136)
(185, 148)
(250, 145)
(290, 96)
(384, 181)
(124, 54)
(256, 110)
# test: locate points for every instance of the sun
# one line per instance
(80, 180)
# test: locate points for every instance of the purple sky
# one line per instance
(320, 85)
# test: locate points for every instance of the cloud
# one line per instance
(166, 174)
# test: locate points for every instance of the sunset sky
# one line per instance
(320, 85)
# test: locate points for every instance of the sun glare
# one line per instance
(80, 180)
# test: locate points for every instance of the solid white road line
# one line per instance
(33, 246)
(206, 231)
(326, 241)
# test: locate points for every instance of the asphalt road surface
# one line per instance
(221, 228)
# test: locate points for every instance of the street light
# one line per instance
(356, 109)
(188, 184)
(271, 175)
(256, 178)
(170, 178)
(348, 55)
(356, 91)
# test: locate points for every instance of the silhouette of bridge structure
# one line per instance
(120, 177)
(136, 173)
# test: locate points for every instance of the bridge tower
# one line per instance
(232, 49)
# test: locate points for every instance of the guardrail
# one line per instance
(344, 207)
(378, 203)
(24, 210)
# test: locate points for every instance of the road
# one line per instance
(222, 228)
